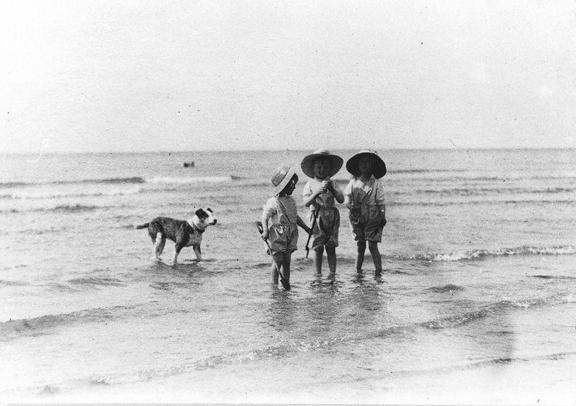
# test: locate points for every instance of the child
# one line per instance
(279, 221)
(319, 194)
(365, 199)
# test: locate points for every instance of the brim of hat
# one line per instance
(284, 182)
(307, 164)
(379, 169)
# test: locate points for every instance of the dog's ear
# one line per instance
(201, 213)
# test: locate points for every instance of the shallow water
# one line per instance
(478, 251)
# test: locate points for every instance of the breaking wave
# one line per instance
(42, 325)
(111, 186)
(96, 282)
(73, 208)
(408, 171)
(450, 288)
(479, 254)
(64, 208)
(134, 179)
(192, 180)
(7, 185)
(424, 177)
(53, 194)
(487, 191)
(127, 180)
(484, 202)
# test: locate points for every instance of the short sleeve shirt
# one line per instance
(281, 210)
(324, 199)
(370, 193)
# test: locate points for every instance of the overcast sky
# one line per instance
(232, 74)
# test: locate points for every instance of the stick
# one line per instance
(285, 283)
(312, 230)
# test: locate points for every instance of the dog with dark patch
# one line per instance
(183, 233)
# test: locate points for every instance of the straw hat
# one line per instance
(378, 165)
(307, 164)
(281, 178)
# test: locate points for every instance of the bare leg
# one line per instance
(373, 246)
(331, 256)
(286, 266)
(361, 245)
(318, 252)
(276, 264)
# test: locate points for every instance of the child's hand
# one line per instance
(265, 235)
(326, 185)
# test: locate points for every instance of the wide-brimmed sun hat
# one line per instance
(307, 164)
(281, 178)
(378, 165)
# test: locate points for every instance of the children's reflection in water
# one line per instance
(282, 311)
(326, 311)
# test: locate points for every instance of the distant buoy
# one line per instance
(189, 164)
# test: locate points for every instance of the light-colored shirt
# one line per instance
(325, 199)
(281, 210)
(358, 193)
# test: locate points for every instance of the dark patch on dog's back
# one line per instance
(174, 230)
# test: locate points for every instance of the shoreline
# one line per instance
(543, 380)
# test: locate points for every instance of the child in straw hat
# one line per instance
(320, 194)
(365, 199)
(279, 224)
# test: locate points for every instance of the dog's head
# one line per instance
(203, 218)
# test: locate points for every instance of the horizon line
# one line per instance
(280, 150)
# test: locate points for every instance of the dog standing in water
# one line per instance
(183, 233)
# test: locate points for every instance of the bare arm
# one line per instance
(265, 219)
(380, 201)
(308, 200)
(303, 225)
(266, 215)
(382, 208)
(336, 192)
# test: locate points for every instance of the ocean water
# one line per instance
(477, 302)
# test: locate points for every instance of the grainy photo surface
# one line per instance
(142, 141)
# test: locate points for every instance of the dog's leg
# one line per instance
(198, 252)
(159, 246)
(177, 249)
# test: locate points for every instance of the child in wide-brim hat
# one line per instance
(279, 223)
(364, 197)
(320, 194)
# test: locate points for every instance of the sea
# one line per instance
(476, 305)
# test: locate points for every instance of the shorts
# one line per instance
(325, 231)
(367, 224)
(283, 238)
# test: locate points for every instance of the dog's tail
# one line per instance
(142, 226)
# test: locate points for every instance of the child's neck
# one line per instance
(321, 179)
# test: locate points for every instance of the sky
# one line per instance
(142, 75)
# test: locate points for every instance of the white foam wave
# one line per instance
(502, 252)
(189, 180)
(55, 193)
